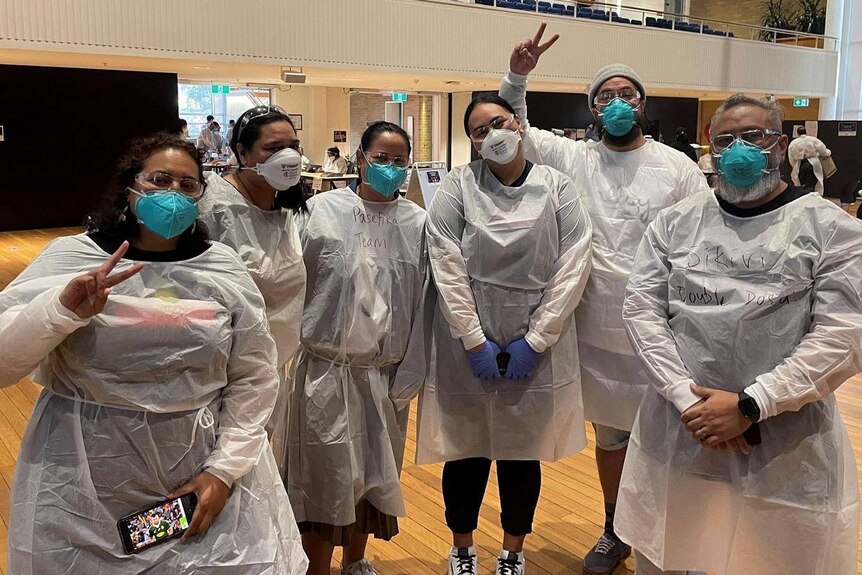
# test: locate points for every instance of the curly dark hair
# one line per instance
(113, 219)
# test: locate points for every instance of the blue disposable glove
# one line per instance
(522, 359)
(484, 361)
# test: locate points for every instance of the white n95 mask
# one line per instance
(500, 146)
(281, 170)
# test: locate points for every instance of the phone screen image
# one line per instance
(156, 524)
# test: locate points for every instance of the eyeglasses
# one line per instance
(632, 97)
(480, 132)
(384, 158)
(250, 115)
(164, 181)
(762, 138)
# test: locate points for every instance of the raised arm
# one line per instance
(540, 146)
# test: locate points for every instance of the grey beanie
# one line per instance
(613, 71)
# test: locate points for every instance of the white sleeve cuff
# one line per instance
(516, 79)
(220, 475)
(757, 390)
(473, 339)
(682, 396)
(58, 314)
(535, 342)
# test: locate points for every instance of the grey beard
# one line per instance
(736, 195)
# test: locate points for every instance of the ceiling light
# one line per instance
(202, 68)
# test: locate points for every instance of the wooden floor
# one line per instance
(568, 520)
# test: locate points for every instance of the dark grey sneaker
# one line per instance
(606, 556)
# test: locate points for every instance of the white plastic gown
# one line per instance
(174, 377)
(363, 357)
(816, 153)
(769, 304)
(509, 262)
(622, 192)
(268, 243)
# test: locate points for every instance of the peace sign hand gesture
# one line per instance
(87, 294)
(526, 54)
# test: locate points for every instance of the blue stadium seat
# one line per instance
(731, 35)
(585, 13)
(651, 22)
(544, 4)
(526, 7)
(569, 11)
(600, 15)
(485, 2)
(636, 23)
(560, 7)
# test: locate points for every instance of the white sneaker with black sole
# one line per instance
(510, 563)
(462, 561)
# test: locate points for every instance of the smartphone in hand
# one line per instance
(157, 523)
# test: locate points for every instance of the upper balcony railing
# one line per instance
(634, 16)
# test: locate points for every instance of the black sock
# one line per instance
(610, 508)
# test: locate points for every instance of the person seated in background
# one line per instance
(335, 164)
(683, 144)
(209, 139)
(744, 306)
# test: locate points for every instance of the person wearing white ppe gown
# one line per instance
(624, 180)
(158, 379)
(252, 209)
(744, 305)
(509, 244)
(363, 357)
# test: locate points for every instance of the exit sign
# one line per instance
(220, 89)
(800, 102)
(399, 96)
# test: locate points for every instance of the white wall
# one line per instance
(422, 36)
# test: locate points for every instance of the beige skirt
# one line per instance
(369, 520)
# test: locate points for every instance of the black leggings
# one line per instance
(464, 483)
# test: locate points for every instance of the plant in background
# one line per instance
(811, 17)
(777, 14)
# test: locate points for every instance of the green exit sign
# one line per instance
(220, 89)
(399, 96)
(800, 102)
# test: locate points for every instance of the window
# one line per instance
(197, 101)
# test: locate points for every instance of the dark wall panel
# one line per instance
(64, 131)
(548, 110)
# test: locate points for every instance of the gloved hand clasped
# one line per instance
(522, 360)
(484, 361)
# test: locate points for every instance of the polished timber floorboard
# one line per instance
(568, 520)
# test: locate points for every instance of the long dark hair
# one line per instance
(292, 198)
(113, 219)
